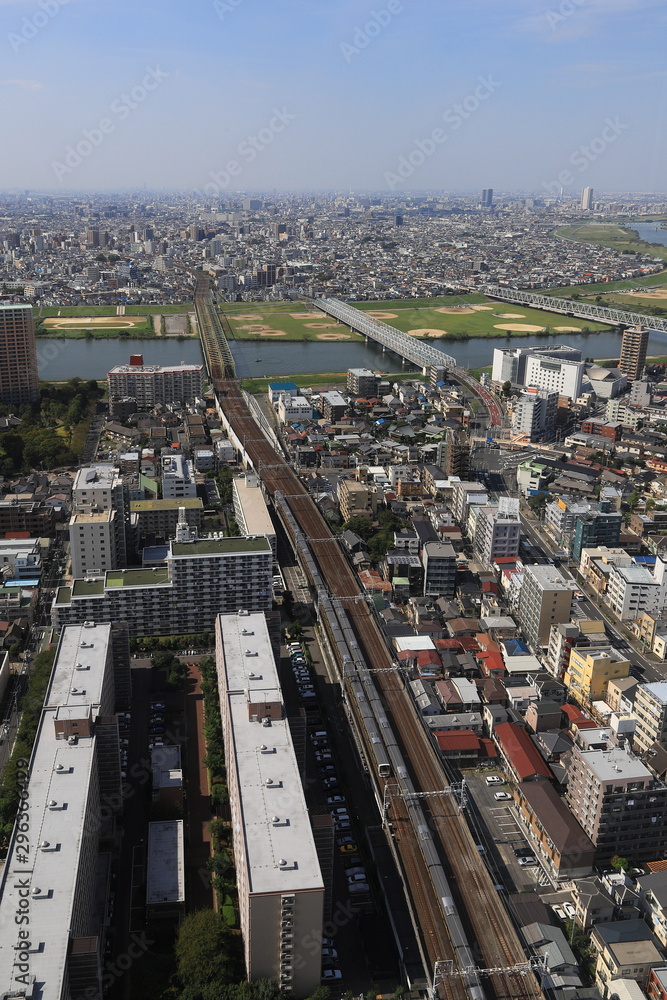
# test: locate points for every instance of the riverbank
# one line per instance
(623, 238)
(259, 386)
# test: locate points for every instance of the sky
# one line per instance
(222, 96)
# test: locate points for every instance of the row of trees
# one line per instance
(31, 710)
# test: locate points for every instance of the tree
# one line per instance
(207, 952)
(507, 388)
(618, 862)
(633, 500)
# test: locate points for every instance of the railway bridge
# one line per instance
(568, 307)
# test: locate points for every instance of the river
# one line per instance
(650, 231)
(62, 359)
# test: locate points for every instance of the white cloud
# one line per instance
(23, 84)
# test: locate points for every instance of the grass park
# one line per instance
(621, 238)
(451, 317)
(103, 322)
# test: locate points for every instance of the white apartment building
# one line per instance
(463, 494)
(92, 539)
(250, 510)
(178, 477)
(200, 578)
(151, 384)
(555, 375)
(52, 872)
(100, 487)
(293, 409)
(650, 711)
(535, 414)
(510, 364)
(497, 533)
(280, 884)
(634, 589)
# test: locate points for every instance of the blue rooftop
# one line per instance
(283, 386)
(514, 647)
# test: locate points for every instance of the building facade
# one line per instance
(19, 381)
(633, 352)
(546, 600)
(151, 384)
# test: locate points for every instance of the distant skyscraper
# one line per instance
(587, 199)
(487, 197)
(633, 352)
(18, 355)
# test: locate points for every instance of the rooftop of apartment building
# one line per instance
(137, 506)
(279, 843)
(56, 808)
(548, 577)
(657, 690)
(221, 546)
(616, 765)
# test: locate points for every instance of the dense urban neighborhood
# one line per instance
(308, 681)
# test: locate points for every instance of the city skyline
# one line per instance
(400, 95)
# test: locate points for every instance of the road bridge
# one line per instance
(581, 310)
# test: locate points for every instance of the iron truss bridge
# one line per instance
(582, 310)
(422, 355)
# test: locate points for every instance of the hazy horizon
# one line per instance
(397, 96)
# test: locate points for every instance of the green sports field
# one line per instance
(455, 317)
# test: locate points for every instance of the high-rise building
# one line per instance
(487, 197)
(92, 539)
(19, 381)
(510, 364)
(439, 561)
(650, 710)
(633, 352)
(617, 801)
(279, 878)
(546, 600)
(535, 414)
(363, 382)
(100, 488)
(453, 455)
(590, 669)
(181, 594)
(596, 527)
(151, 384)
(498, 531)
(587, 199)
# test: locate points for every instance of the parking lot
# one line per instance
(500, 833)
(357, 954)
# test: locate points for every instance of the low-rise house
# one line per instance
(626, 949)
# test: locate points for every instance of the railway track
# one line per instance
(485, 913)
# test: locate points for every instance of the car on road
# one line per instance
(339, 811)
(336, 800)
(329, 784)
(342, 825)
(502, 796)
(155, 706)
(578, 595)
(320, 744)
(559, 911)
(570, 911)
(319, 734)
(361, 877)
(528, 861)
(329, 953)
(324, 758)
(494, 779)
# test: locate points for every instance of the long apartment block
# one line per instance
(52, 912)
(199, 579)
(280, 884)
